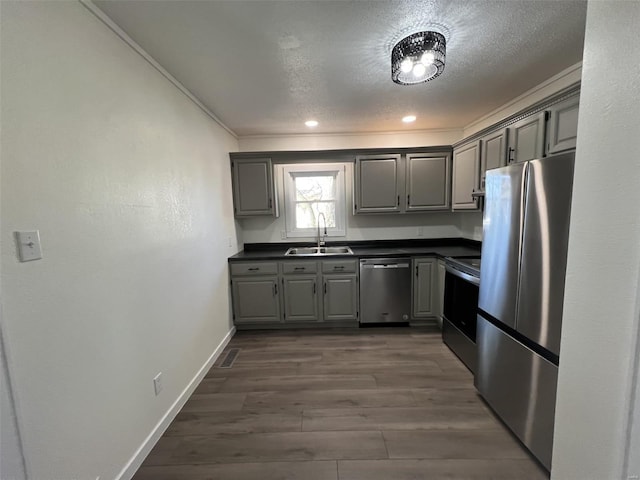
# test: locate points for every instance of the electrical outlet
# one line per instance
(229, 241)
(283, 235)
(157, 383)
(420, 231)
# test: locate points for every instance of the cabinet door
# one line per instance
(562, 127)
(256, 300)
(466, 176)
(423, 291)
(252, 187)
(427, 182)
(494, 152)
(526, 139)
(440, 274)
(300, 298)
(340, 297)
(377, 184)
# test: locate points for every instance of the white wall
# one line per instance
(422, 138)
(128, 182)
(600, 325)
(359, 227)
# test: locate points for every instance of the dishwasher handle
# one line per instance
(386, 265)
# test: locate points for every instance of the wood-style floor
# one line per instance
(364, 404)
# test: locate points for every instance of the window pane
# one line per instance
(307, 213)
(310, 188)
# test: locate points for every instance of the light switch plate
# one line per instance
(29, 245)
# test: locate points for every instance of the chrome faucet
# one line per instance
(320, 241)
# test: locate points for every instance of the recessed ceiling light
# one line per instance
(311, 123)
(409, 119)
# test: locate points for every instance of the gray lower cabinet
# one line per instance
(253, 191)
(340, 297)
(256, 299)
(466, 176)
(427, 182)
(562, 127)
(377, 184)
(526, 138)
(300, 298)
(424, 278)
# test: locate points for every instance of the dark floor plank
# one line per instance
(493, 469)
(215, 402)
(478, 444)
(309, 399)
(320, 470)
(470, 417)
(209, 423)
(297, 382)
(265, 447)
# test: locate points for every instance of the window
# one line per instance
(311, 190)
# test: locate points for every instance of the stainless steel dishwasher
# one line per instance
(385, 290)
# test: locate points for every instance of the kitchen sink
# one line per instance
(302, 251)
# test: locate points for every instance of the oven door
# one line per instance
(460, 315)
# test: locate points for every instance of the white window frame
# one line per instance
(321, 169)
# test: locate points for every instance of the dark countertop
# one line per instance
(446, 247)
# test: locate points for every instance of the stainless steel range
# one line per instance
(462, 281)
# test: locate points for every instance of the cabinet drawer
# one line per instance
(299, 267)
(339, 266)
(254, 268)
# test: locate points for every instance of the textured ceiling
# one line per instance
(264, 67)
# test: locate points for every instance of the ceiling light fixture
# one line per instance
(311, 123)
(409, 119)
(418, 58)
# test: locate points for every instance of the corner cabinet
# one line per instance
(256, 296)
(377, 184)
(427, 182)
(466, 176)
(253, 190)
(562, 127)
(424, 293)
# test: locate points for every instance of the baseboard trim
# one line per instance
(141, 453)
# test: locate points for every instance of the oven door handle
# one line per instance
(463, 275)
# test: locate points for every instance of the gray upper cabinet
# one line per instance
(494, 150)
(300, 298)
(253, 187)
(466, 176)
(427, 182)
(526, 138)
(340, 297)
(377, 184)
(256, 299)
(424, 294)
(562, 127)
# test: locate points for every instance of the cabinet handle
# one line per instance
(408, 199)
(270, 203)
(511, 152)
(325, 288)
(416, 270)
(398, 200)
(314, 288)
(275, 289)
(299, 268)
(338, 267)
(254, 269)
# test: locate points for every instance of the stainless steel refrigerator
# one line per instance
(524, 257)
